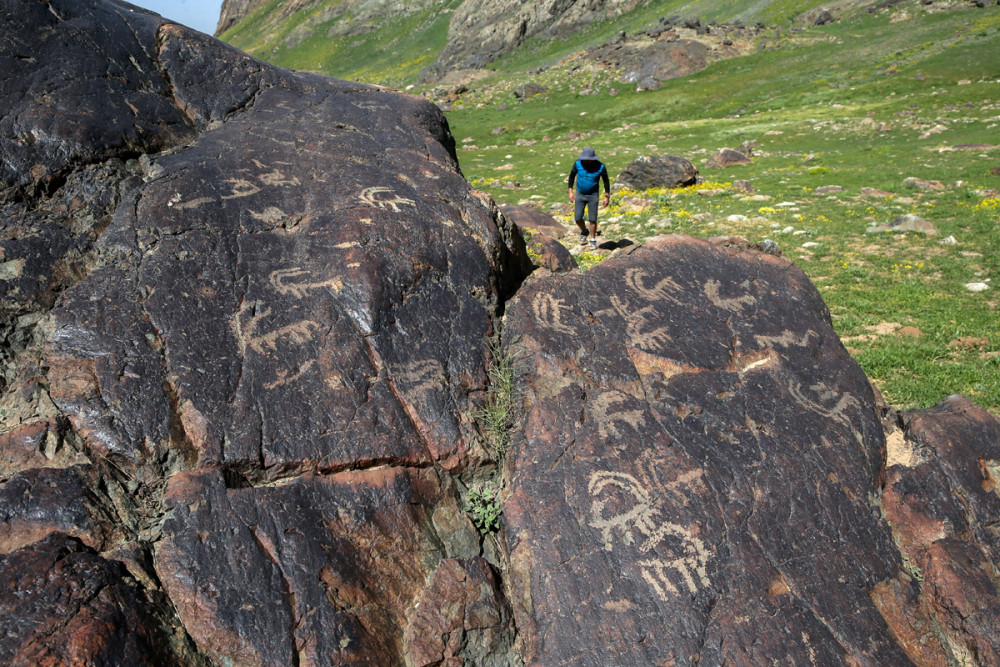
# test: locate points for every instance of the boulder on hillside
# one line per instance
(908, 222)
(941, 499)
(659, 61)
(658, 171)
(529, 217)
(526, 90)
(276, 294)
(642, 448)
(727, 157)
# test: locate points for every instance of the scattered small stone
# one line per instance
(920, 184)
(828, 189)
(497, 131)
(905, 223)
(874, 192)
(727, 157)
(948, 240)
(712, 192)
(737, 218)
(810, 244)
(743, 186)
(976, 287)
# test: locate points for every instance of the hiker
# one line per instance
(588, 172)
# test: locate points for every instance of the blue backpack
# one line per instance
(588, 182)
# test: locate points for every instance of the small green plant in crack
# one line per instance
(912, 570)
(496, 417)
(483, 505)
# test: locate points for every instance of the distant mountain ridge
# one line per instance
(427, 39)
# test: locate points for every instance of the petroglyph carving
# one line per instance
(270, 215)
(284, 377)
(826, 403)
(607, 417)
(370, 105)
(423, 377)
(787, 339)
(736, 304)
(637, 324)
(548, 311)
(661, 291)
(241, 188)
(277, 178)
(393, 202)
(289, 281)
(248, 336)
(635, 517)
(194, 203)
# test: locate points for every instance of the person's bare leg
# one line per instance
(593, 230)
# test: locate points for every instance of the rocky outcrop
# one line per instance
(249, 321)
(483, 30)
(243, 384)
(685, 519)
(941, 497)
(234, 11)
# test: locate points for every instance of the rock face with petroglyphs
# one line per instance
(246, 330)
(247, 316)
(711, 460)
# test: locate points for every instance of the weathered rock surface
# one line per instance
(685, 520)
(660, 61)
(941, 496)
(529, 217)
(656, 171)
(247, 323)
(244, 334)
(62, 604)
(727, 157)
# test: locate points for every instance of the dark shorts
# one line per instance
(590, 203)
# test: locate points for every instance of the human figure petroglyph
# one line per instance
(247, 335)
(393, 203)
(289, 281)
(735, 304)
(661, 291)
(548, 311)
(607, 416)
(639, 516)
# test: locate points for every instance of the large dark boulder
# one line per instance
(941, 496)
(697, 475)
(247, 317)
(657, 171)
(247, 334)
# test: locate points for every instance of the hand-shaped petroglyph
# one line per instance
(641, 517)
(548, 311)
(735, 304)
(287, 281)
(394, 202)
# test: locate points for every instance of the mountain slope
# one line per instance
(388, 42)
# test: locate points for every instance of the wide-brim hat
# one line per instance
(588, 154)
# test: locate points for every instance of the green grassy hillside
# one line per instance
(865, 102)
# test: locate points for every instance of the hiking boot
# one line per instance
(593, 244)
(583, 239)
